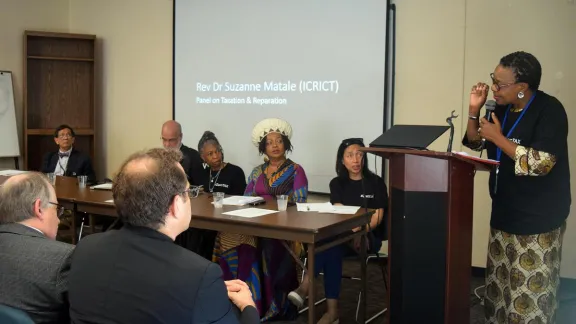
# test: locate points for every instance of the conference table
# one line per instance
(310, 228)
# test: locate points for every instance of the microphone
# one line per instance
(490, 106)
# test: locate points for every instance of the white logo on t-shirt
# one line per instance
(221, 185)
(516, 141)
(366, 196)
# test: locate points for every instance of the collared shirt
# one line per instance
(62, 163)
(34, 228)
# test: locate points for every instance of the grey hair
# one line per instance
(209, 138)
(17, 197)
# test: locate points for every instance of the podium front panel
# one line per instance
(430, 234)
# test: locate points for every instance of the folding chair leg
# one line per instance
(305, 309)
(81, 228)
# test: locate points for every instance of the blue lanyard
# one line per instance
(499, 150)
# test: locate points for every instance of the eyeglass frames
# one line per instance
(59, 209)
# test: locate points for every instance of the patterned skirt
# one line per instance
(265, 265)
(522, 277)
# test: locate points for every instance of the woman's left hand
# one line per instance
(490, 131)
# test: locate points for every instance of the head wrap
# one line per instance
(270, 125)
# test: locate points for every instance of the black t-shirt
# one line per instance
(230, 180)
(372, 194)
(529, 204)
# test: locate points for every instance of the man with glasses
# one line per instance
(137, 274)
(67, 161)
(34, 266)
(172, 139)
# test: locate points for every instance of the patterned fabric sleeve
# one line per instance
(300, 193)
(251, 186)
(475, 145)
(531, 162)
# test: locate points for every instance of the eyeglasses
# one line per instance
(192, 192)
(497, 85)
(65, 136)
(170, 140)
(59, 209)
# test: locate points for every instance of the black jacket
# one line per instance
(138, 275)
(78, 164)
(191, 161)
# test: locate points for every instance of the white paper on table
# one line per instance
(8, 173)
(109, 201)
(104, 186)
(314, 207)
(345, 210)
(240, 200)
(250, 212)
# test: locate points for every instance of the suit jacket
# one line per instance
(78, 164)
(191, 161)
(138, 275)
(34, 273)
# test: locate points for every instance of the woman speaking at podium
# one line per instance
(530, 190)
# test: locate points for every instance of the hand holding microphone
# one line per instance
(488, 130)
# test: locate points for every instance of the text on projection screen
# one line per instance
(319, 65)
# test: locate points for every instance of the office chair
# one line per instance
(10, 315)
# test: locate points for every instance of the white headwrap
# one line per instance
(270, 125)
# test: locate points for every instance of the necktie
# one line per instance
(65, 154)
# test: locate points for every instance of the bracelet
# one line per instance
(473, 117)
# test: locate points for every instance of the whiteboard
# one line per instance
(9, 146)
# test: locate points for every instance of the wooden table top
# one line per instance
(204, 215)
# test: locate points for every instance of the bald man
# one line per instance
(172, 138)
(34, 266)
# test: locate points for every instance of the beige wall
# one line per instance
(135, 85)
(443, 47)
(16, 16)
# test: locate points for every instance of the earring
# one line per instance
(520, 95)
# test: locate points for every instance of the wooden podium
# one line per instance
(429, 235)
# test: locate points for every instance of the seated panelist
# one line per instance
(265, 264)
(214, 175)
(354, 185)
(217, 175)
(171, 136)
(67, 161)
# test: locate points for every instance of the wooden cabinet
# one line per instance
(58, 89)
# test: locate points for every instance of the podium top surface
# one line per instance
(409, 136)
(389, 152)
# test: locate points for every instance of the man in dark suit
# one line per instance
(137, 274)
(172, 138)
(34, 266)
(67, 161)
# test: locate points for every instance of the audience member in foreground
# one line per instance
(137, 274)
(530, 190)
(265, 263)
(34, 266)
(354, 185)
(68, 161)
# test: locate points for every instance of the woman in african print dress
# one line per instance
(265, 264)
(530, 190)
